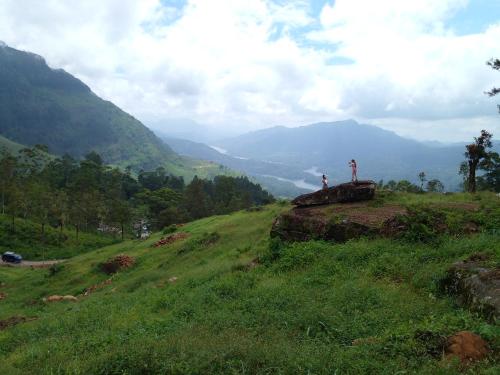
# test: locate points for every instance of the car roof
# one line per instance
(9, 253)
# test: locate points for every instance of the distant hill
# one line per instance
(40, 105)
(8, 145)
(257, 169)
(328, 147)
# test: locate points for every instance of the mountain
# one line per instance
(259, 170)
(8, 145)
(41, 105)
(327, 148)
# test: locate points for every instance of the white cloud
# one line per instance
(238, 62)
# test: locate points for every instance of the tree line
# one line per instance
(88, 195)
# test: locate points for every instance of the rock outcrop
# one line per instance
(476, 285)
(337, 223)
(347, 192)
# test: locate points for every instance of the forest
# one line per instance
(90, 196)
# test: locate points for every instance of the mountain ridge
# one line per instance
(41, 105)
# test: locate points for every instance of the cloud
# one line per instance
(258, 63)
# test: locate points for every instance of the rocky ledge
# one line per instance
(347, 192)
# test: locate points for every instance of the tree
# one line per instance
(421, 177)
(8, 165)
(494, 64)
(435, 186)
(475, 153)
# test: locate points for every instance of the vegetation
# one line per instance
(479, 156)
(53, 244)
(42, 105)
(242, 304)
(89, 196)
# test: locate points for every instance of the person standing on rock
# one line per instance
(354, 168)
(325, 182)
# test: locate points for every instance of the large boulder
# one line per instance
(347, 192)
(476, 284)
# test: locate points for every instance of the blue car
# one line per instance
(11, 257)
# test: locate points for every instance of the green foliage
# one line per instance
(28, 240)
(365, 306)
(90, 196)
(170, 229)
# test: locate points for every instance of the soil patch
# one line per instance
(93, 288)
(117, 263)
(170, 239)
(13, 320)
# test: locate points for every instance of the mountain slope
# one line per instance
(209, 307)
(40, 105)
(380, 154)
(259, 170)
(8, 145)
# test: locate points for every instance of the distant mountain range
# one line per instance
(300, 155)
(41, 105)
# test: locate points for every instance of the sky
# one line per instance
(415, 67)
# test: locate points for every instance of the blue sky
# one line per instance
(415, 67)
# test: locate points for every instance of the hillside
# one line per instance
(257, 169)
(223, 299)
(8, 145)
(40, 105)
(380, 154)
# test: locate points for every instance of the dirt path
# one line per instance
(30, 263)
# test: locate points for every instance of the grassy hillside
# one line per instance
(308, 308)
(258, 170)
(28, 240)
(8, 145)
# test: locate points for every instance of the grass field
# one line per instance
(306, 308)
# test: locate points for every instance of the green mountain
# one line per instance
(8, 145)
(259, 170)
(41, 105)
(327, 148)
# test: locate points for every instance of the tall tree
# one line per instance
(435, 186)
(421, 177)
(475, 153)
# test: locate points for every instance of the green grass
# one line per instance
(297, 313)
(27, 240)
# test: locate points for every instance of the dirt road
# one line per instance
(30, 263)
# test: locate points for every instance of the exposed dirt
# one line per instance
(117, 263)
(93, 288)
(33, 264)
(359, 212)
(3, 296)
(170, 239)
(466, 346)
(13, 320)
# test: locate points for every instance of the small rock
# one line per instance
(173, 279)
(466, 346)
(53, 298)
(70, 298)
